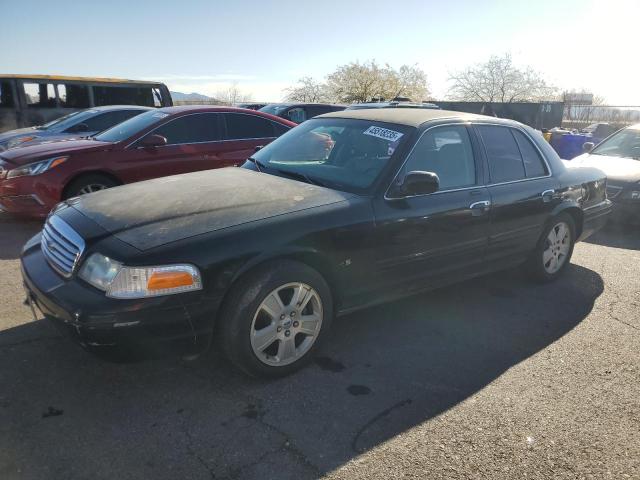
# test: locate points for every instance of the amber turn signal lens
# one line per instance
(164, 280)
(58, 161)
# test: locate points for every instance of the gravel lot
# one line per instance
(493, 378)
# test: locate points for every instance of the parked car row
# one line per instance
(81, 123)
(155, 143)
(346, 210)
(618, 156)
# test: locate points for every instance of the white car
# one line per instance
(618, 156)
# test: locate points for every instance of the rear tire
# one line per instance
(274, 318)
(89, 183)
(554, 249)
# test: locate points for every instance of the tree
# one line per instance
(408, 81)
(499, 80)
(308, 90)
(232, 95)
(362, 82)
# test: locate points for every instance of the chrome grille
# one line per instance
(613, 191)
(61, 245)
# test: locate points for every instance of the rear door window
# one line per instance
(297, 114)
(6, 95)
(279, 129)
(244, 126)
(39, 95)
(109, 119)
(503, 154)
(533, 163)
(196, 128)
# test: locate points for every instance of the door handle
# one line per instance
(547, 195)
(480, 205)
(479, 208)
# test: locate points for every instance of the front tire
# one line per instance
(89, 183)
(275, 317)
(554, 249)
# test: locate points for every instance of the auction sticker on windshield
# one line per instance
(383, 133)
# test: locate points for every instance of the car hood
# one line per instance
(6, 137)
(617, 169)
(30, 153)
(160, 211)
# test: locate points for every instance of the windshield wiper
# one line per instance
(257, 163)
(301, 176)
(297, 175)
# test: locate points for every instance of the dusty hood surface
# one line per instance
(32, 153)
(153, 213)
(616, 168)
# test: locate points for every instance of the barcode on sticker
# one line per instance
(384, 133)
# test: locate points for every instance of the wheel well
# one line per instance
(313, 261)
(578, 218)
(84, 174)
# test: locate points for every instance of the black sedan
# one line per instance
(619, 158)
(347, 210)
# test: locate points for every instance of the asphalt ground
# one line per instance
(492, 378)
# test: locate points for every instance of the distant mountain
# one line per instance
(190, 97)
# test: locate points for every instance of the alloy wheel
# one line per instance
(557, 247)
(286, 324)
(92, 187)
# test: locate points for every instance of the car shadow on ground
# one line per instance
(383, 371)
(15, 233)
(617, 235)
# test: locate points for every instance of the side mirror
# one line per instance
(153, 140)
(258, 148)
(587, 147)
(79, 127)
(419, 183)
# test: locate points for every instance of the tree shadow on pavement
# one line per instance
(14, 233)
(383, 371)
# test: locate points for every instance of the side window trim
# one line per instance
(476, 158)
(489, 183)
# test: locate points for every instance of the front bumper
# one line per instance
(595, 218)
(99, 324)
(27, 196)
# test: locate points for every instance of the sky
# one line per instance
(266, 45)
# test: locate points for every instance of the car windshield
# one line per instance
(344, 154)
(67, 121)
(274, 108)
(130, 127)
(625, 143)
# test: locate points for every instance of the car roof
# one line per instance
(60, 78)
(302, 104)
(413, 117)
(394, 104)
(184, 109)
(107, 108)
(204, 108)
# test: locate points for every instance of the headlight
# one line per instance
(119, 281)
(99, 271)
(36, 168)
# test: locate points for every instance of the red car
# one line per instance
(160, 142)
